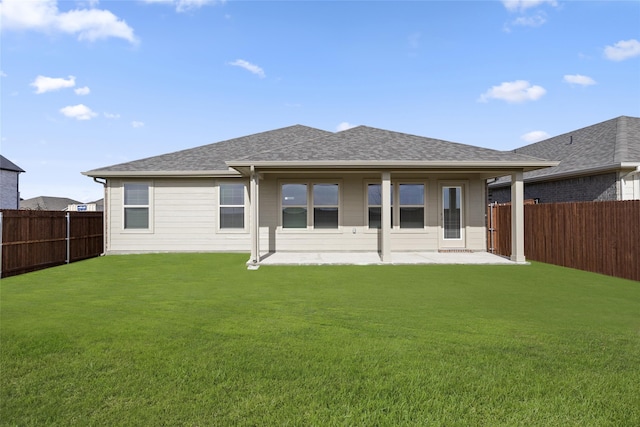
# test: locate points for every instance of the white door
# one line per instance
(452, 214)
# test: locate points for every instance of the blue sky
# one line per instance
(86, 84)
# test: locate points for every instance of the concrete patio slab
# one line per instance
(373, 258)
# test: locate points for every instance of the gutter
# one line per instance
(155, 174)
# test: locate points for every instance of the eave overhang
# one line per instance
(161, 174)
(615, 167)
(494, 167)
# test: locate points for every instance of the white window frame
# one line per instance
(219, 204)
(310, 205)
(398, 206)
(149, 207)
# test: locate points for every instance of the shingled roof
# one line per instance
(299, 145)
(365, 143)
(8, 165)
(212, 157)
(602, 147)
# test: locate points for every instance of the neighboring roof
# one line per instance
(211, 158)
(611, 145)
(8, 165)
(46, 203)
(299, 146)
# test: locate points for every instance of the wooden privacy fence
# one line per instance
(602, 237)
(33, 240)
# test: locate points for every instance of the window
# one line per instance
(325, 205)
(231, 206)
(294, 206)
(310, 203)
(411, 205)
(136, 206)
(374, 196)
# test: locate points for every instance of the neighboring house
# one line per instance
(97, 206)
(304, 189)
(9, 184)
(46, 203)
(598, 162)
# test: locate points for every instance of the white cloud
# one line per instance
(344, 126)
(186, 5)
(48, 84)
(533, 21)
(112, 116)
(81, 91)
(514, 92)
(78, 112)
(522, 5)
(137, 124)
(535, 136)
(249, 67)
(622, 50)
(44, 16)
(2, 74)
(577, 79)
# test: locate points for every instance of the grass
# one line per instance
(196, 339)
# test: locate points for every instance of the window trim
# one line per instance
(245, 206)
(149, 206)
(310, 206)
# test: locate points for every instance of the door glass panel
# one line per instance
(452, 207)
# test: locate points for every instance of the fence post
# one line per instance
(68, 216)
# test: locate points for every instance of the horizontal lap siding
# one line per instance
(184, 218)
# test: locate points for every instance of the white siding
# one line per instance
(184, 215)
(629, 185)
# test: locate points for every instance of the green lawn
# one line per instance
(197, 340)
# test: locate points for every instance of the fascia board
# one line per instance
(154, 174)
(575, 173)
(419, 164)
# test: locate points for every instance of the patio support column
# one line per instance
(517, 217)
(254, 222)
(385, 214)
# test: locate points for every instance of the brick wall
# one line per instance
(581, 189)
(8, 189)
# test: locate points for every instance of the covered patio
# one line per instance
(374, 258)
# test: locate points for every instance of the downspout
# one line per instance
(105, 228)
(629, 175)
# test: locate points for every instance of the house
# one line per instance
(9, 184)
(598, 162)
(95, 206)
(303, 189)
(47, 203)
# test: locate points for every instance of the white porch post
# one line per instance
(385, 214)
(254, 222)
(517, 217)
